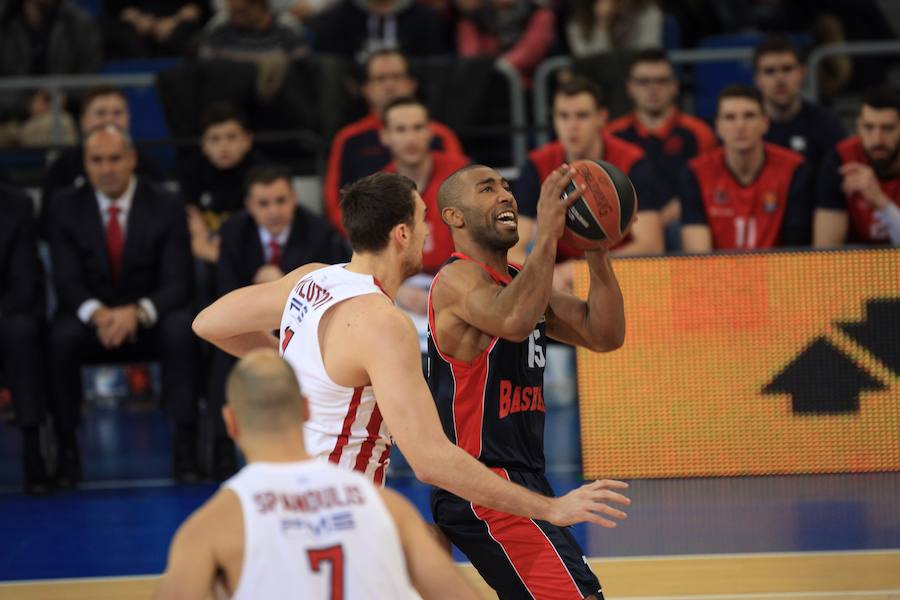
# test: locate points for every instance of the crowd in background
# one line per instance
(135, 249)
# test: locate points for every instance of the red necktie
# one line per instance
(115, 241)
(274, 252)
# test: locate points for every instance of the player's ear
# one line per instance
(453, 217)
(401, 234)
(231, 424)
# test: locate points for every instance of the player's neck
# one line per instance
(383, 268)
(654, 121)
(745, 166)
(494, 258)
(784, 113)
(284, 448)
(420, 173)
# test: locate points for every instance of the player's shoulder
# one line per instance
(620, 124)
(695, 124)
(220, 515)
(550, 152)
(783, 157)
(850, 149)
(370, 316)
(707, 162)
(620, 152)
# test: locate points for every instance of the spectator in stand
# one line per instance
(252, 33)
(143, 28)
(595, 26)
(103, 105)
(291, 11)
(21, 323)
(356, 28)
(357, 150)
(274, 236)
(579, 119)
(794, 123)
(668, 136)
(747, 194)
(406, 134)
(858, 191)
(212, 180)
(122, 269)
(42, 37)
(518, 32)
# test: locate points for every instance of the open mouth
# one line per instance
(507, 219)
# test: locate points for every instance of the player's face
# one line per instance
(388, 79)
(490, 210)
(420, 233)
(407, 135)
(272, 205)
(652, 87)
(105, 110)
(779, 77)
(226, 144)
(879, 130)
(577, 120)
(109, 163)
(741, 124)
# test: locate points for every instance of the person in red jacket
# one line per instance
(858, 193)
(747, 194)
(579, 118)
(356, 150)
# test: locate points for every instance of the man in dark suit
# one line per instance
(272, 236)
(21, 322)
(123, 272)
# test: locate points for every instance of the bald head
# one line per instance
(263, 392)
(450, 193)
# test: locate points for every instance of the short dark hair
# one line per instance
(380, 53)
(740, 91)
(100, 91)
(221, 112)
(581, 85)
(776, 44)
(649, 55)
(882, 97)
(266, 174)
(404, 101)
(373, 206)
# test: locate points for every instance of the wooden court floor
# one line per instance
(869, 574)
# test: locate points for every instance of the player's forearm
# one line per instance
(605, 308)
(525, 299)
(454, 470)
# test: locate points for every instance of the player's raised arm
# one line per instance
(598, 323)
(407, 406)
(243, 320)
(431, 569)
(510, 311)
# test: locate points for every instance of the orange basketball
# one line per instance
(603, 215)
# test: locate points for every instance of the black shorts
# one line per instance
(517, 556)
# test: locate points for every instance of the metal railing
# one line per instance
(811, 86)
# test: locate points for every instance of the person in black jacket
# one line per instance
(21, 321)
(122, 269)
(103, 105)
(274, 236)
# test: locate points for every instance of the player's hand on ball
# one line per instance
(551, 207)
(590, 504)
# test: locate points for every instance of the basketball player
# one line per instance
(358, 355)
(289, 527)
(488, 327)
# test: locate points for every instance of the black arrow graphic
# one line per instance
(821, 380)
(880, 332)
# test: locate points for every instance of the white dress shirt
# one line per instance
(90, 306)
(267, 238)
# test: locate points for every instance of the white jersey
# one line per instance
(312, 530)
(344, 426)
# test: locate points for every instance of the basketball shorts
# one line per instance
(517, 556)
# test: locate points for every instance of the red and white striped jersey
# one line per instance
(309, 532)
(344, 426)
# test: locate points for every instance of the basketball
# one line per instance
(603, 215)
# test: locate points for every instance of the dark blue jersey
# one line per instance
(812, 132)
(492, 406)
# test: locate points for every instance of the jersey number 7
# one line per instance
(335, 556)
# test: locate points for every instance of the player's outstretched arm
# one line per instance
(598, 323)
(388, 348)
(431, 569)
(243, 320)
(191, 568)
